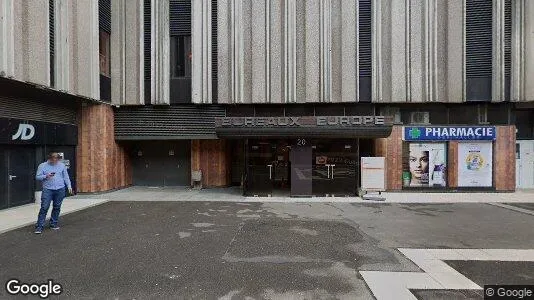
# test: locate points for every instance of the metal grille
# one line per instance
(214, 54)
(507, 37)
(180, 17)
(26, 109)
(478, 38)
(51, 31)
(172, 122)
(147, 40)
(364, 51)
(104, 15)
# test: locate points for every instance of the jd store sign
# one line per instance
(449, 133)
(24, 132)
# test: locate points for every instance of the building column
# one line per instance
(7, 60)
(391, 149)
(101, 163)
(201, 48)
(61, 45)
(504, 159)
(160, 60)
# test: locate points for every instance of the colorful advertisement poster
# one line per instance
(426, 165)
(475, 164)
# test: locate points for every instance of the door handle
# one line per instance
(12, 176)
(328, 170)
(332, 176)
(270, 171)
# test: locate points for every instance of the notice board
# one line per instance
(373, 174)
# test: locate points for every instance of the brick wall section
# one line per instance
(452, 164)
(212, 157)
(504, 159)
(102, 164)
(391, 149)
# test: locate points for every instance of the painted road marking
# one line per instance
(437, 274)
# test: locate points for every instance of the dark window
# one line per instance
(104, 15)
(181, 56)
(524, 122)
(497, 114)
(463, 115)
(104, 54)
(364, 50)
(479, 35)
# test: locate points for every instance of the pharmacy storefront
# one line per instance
(448, 157)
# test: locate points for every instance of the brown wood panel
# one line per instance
(391, 149)
(102, 164)
(211, 157)
(452, 164)
(504, 159)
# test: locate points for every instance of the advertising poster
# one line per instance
(475, 161)
(426, 165)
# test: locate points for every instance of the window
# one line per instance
(181, 56)
(104, 54)
(424, 165)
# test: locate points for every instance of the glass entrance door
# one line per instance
(334, 167)
(260, 168)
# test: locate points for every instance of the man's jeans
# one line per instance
(54, 196)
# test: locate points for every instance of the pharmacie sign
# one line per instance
(449, 133)
(308, 121)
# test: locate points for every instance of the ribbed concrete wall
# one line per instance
(298, 51)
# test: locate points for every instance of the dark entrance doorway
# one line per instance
(301, 167)
(161, 163)
(17, 165)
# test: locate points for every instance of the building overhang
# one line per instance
(306, 126)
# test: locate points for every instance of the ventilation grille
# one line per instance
(364, 51)
(26, 109)
(507, 37)
(51, 31)
(478, 38)
(180, 17)
(172, 122)
(214, 53)
(147, 38)
(104, 15)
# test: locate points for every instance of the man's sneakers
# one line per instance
(40, 230)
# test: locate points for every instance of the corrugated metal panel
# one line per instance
(51, 30)
(478, 38)
(104, 15)
(180, 17)
(35, 110)
(172, 122)
(214, 54)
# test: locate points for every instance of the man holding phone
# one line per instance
(55, 178)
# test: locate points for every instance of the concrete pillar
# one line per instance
(160, 60)
(201, 48)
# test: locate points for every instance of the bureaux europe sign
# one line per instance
(449, 133)
(308, 121)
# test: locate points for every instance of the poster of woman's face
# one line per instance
(419, 167)
(426, 165)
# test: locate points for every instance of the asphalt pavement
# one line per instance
(229, 250)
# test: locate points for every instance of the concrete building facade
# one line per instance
(282, 96)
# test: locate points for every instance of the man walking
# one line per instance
(54, 176)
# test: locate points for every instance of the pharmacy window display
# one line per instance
(424, 165)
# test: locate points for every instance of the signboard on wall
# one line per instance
(475, 164)
(449, 133)
(426, 165)
(24, 132)
(373, 174)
